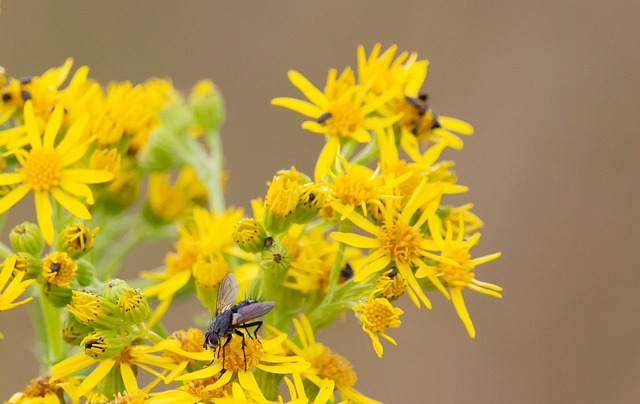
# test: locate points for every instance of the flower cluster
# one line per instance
(367, 227)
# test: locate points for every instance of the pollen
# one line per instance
(40, 387)
(234, 354)
(198, 388)
(353, 189)
(400, 241)
(335, 367)
(59, 269)
(460, 275)
(130, 398)
(378, 315)
(42, 170)
(345, 119)
(191, 340)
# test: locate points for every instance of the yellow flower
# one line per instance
(455, 267)
(121, 367)
(343, 114)
(44, 390)
(376, 315)
(59, 269)
(171, 203)
(16, 285)
(299, 396)
(45, 169)
(326, 365)
(398, 241)
(236, 361)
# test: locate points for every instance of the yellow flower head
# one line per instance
(8, 294)
(59, 269)
(455, 266)
(45, 170)
(172, 202)
(344, 114)
(376, 315)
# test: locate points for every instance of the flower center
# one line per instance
(353, 189)
(130, 398)
(59, 269)
(345, 119)
(378, 316)
(39, 387)
(335, 367)
(42, 170)
(457, 275)
(191, 340)
(400, 241)
(198, 388)
(234, 355)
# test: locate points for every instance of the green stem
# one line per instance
(38, 321)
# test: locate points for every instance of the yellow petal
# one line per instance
(73, 135)
(326, 158)
(406, 273)
(355, 240)
(96, 376)
(71, 204)
(309, 90)
(357, 219)
(71, 365)
(43, 214)
(455, 125)
(10, 178)
(372, 268)
(300, 106)
(88, 176)
(13, 197)
(32, 126)
(129, 378)
(461, 308)
(248, 382)
(53, 126)
(203, 373)
(77, 189)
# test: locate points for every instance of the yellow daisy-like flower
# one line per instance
(455, 267)
(194, 391)
(123, 366)
(299, 396)
(46, 170)
(59, 269)
(16, 285)
(326, 365)
(376, 315)
(399, 240)
(342, 115)
(44, 390)
(238, 362)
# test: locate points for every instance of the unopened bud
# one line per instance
(249, 235)
(27, 238)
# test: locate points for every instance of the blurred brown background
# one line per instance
(552, 89)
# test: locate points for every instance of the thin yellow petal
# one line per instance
(77, 189)
(486, 258)
(96, 376)
(71, 365)
(43, 214)
(32, 126)
(326, 158)
(87, 176)
(455, 125)
(71, 204)
(355, 240)
(309, 90)
(73, 155)
(248, 382)
(372, 268)
(129, 378)
(303, 107)
(73, 135)
(13, 197)
(203, 373)
(357, 219)
(407, 274)
(10, 178)
(53, 126)
(461, 308)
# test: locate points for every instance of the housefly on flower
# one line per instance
(231, 317)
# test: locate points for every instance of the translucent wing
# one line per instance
(251, 311)
(227, 293)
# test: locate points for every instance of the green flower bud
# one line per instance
(59, 296)
(77, 239)
(86, 272)
(104, 344)
(207, 106)
(312, 199)
(280, 202)
(276, 258)
(31, 266)
(249, 235)
(95, 311)
(133, 306)
(27, 238)
(114, 289)
(170, 145)
(73, 331)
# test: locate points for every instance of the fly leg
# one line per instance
(244, 354)
(255, 332)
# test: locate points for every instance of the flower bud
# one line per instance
(95, 311)
(280, 202)
(133, 306)
(114, 289)
(312, 199)
(249, 235)
(26, 237)
(104, 344)
(276, 258)
(58, 268)
(73, 331)
(207, 106)
(77, 239)
(59, 296)
(86, 272)
(208, 272)
(31, 266)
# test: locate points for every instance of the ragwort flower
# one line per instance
(46, 170)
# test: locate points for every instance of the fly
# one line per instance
(231, 317)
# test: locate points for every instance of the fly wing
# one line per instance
(227, 293)
(251, 311)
